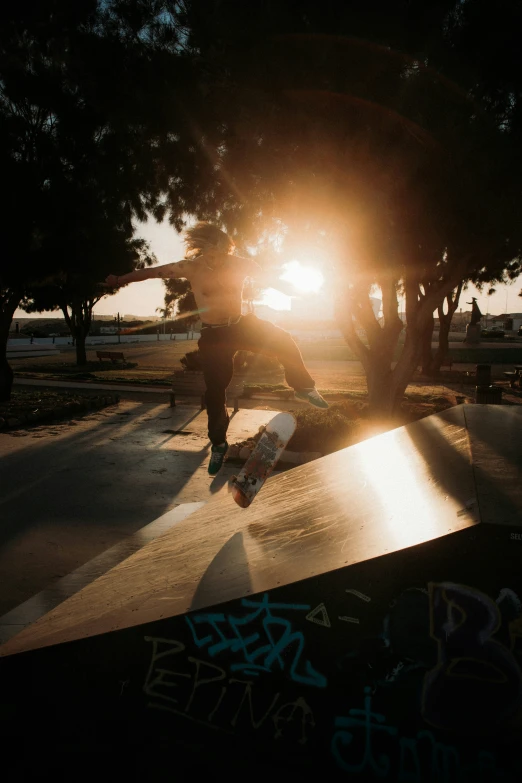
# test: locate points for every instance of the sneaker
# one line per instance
(312, 396)
(216, 458)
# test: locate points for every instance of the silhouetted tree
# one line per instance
(97, 93)
(87, 241)
(360, 130)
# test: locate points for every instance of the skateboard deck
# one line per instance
(273, 441)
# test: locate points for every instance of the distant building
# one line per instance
(142, 318)
(108, 330)
(516, 321)
(508, 321)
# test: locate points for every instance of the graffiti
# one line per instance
(364, 744)
(123, 684)
(358, 594)
(476, 682)
(319, 616)
(274, 646)
(202, 692)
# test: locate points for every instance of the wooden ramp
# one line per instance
(362, 618)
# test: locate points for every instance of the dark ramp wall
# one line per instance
(407, 667)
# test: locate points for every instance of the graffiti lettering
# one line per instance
(375, 749)
(260, 651)
(369, 722)
(289, 710)
(201, 692)
(476, 682)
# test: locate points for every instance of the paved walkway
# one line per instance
(86, 385)
(70, 491)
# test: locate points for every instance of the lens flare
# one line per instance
(305, 278)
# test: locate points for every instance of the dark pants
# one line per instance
(217, 347)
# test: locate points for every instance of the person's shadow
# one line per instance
(229, 564)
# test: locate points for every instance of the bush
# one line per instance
(191, 361)
(262, 388)
(33, 331)
(329, 430)
(244, 361)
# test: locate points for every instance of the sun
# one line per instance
(305, 278)
(275, 300)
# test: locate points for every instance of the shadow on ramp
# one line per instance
(232, 552)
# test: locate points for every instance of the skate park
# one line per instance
(353, 623)
(261, 391)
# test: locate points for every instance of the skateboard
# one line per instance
(273, 441)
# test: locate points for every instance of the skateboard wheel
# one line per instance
(241, 499)
(262, 428)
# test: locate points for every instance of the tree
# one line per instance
(87, 241)
(97, 92)
(363, 133)
(432, 362)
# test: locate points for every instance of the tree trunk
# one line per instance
(387, 384)
(6, 373)
(81, 353)
(426, 352)
(443, 346)
(445, 319)
(8, 304)
(79, 322)
(381, 400)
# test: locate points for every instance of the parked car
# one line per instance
(495, 331)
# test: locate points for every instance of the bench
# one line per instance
(187, 383)
(282, 394)
(114, 356)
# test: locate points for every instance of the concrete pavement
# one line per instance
(72, 490)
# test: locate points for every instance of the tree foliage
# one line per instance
(93, 102)
(85, 241)
(363, 131)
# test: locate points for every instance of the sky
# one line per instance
(143, 298)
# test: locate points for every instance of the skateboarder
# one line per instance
(216, 277)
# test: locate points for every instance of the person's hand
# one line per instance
(112, 281)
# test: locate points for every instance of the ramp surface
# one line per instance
(398, 490)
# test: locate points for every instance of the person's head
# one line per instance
(204, 238)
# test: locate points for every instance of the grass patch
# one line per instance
(347, 422)
(486, 355)
(30, 407)
(327, 431)
(100, 372)
(335, 350)
(67, 368)
(266, 388)
(141, 379)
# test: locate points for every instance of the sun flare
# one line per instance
(305, 278)
(275, 300)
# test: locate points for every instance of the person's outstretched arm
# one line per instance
(165, 271)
